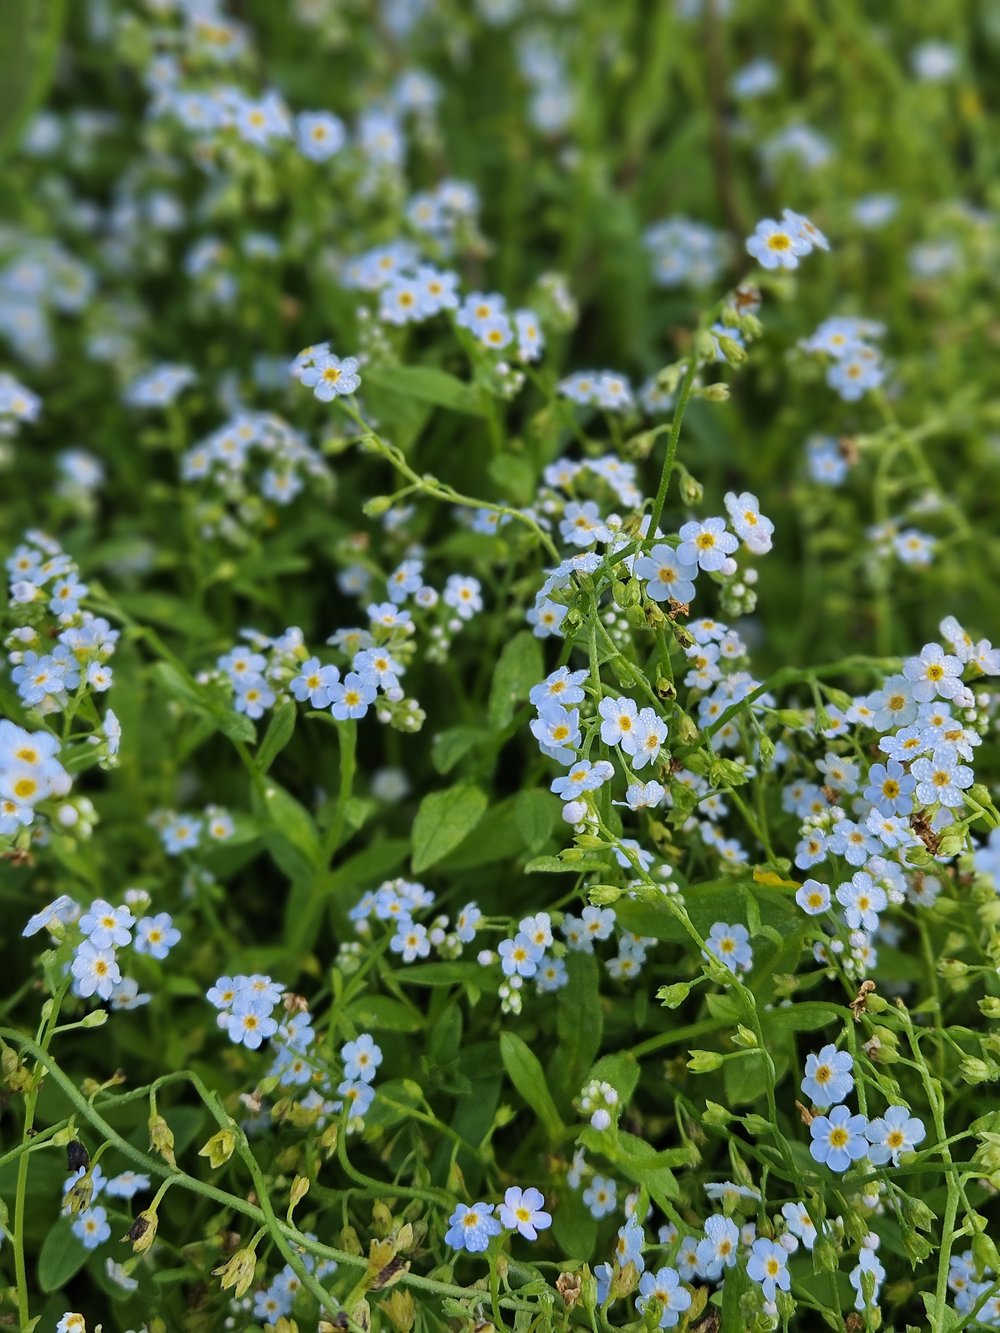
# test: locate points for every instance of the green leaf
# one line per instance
(535, 812)
(520, 667)
(237, 727)
(555, 865)
(62, 1256)
(640, 1161)
(805, 1016)
(621, 1071)
(575, 1228)
(443, 820)
(291, 823)
(29, 47)
(527, 1075)
(448, 747)
(173, 683)
(440, 974)
(514, 475)
(427, 384)
(579, 1023)
(278, 734)
(383, 1014)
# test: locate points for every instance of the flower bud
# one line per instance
(704, 1062)
(161, 1139)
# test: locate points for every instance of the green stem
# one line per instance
(683, 395)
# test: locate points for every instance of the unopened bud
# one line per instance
(161, 1139)
(299, 1190)
(704, 1062)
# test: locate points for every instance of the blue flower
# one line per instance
(92, 1227)
(351, 697)
(862, 900)
(466, 921)
(523, 1211)
(813, 897)
(838, 1139)
(731, 946)
(768, 1265)
(156, 935)
(665, 1287)
(828, 1078)
(719, 1248)
(361, 1058)
(601, 1196)
(471, 1227)
(520, 956)
(668, 578)
(777, 244)
(330, 378)
(941, 779)
(895, 1132)
(107, 927)
(707, 544)
(890, 788)
(314, 682)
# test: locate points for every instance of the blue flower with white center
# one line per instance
(156, 935)
(668, 578)
(707, 544)
(330, 378)
(731, 946)
(893, 1133)
(314, 682)
(813, 897)
(799, 1223)
(768, 1266)
(890, 788)
(352, 697)
(862, 900)
(828, 1078)
(520, 956)
(410, 941)
(361, 1058)
(466, 921)
(664, 1287)
(107, 927)
(357, 1096)
(471, 1227)
(561, 687)
(719, 1248)
(934, 673)
(523, 1211)
(601, 1196)
(126, 1185)
(941, 779)
(557, 731)
(838, 1139)
(249, 1022)
(582, 777)
(92, 1227)
(95, 971)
